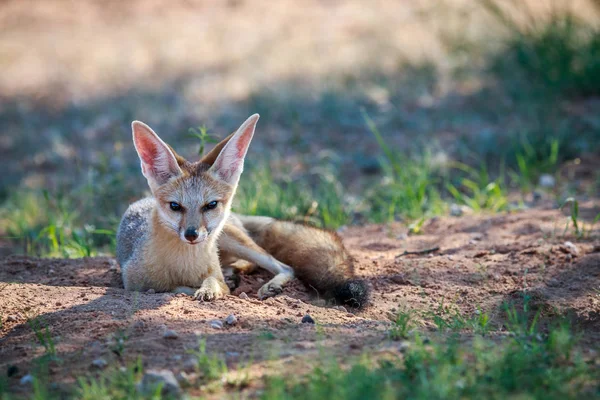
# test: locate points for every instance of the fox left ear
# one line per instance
(229, 164)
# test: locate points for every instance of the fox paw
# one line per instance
(207, 294)
(209, 291)
(269, 289)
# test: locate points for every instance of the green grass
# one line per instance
(402, 325)
(552, 55)
(209, 366)
(43, 335)
(522, 356)
(526, 364)
(115, 384)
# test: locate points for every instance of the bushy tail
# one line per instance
(334, 285)
(354, 293)
(318, 257)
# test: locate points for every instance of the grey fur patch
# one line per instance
(134, 229)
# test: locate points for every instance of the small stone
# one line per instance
(216, 324)
(185, 379)
(12, 370)
(231, 320)
(51, 271)
(190, 365)
(456, 210)
(547, 181)
(150, 291)
(341, 308)
(99, 363)
(11, 318)
(553, 282)
(571, 248)
(307, 319)
(402, 236)
(26, 380)
(153, 378)
(403, 346)
(244, 296)
(170, 334)
(399, 279)
(113, 265)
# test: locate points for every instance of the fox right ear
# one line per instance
(158, 161)
(210, 157)
(229, 164)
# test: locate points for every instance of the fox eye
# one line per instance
(211, 206)
(175, 206)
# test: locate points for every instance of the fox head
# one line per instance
(193, 199)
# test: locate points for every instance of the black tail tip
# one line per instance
(354, 293)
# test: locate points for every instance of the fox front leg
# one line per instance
(236, 243)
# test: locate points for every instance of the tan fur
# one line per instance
(169, 259)
(318, 256)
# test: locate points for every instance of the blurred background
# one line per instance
(371, 111)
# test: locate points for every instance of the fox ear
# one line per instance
(230, 162)
(210, 157)
(158, 161)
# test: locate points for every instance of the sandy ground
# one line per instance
(482, 262)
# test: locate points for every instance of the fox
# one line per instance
(181, 237)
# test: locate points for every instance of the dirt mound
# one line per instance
(482, 262)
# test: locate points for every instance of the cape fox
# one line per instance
(178, 239)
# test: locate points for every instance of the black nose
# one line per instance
(191, 234)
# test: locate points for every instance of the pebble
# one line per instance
(572, 248)
(244, 296)
(190, 365)
(455, 210)
(153, 378)
(307, 319)
(399, 279)
(186, 379)
(99, 363)
(231, 320)
(170, 334)
(11, 318)
(12, 370)
(150, 291)
(26, 380)
(403, 346)
(216, 324)
(547, 181)
(113, 265)
(341, 308)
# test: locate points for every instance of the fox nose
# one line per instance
(191, 234)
